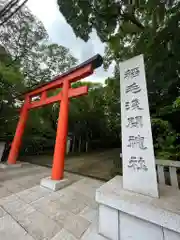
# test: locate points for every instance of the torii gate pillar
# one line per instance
(61, 136)
(64, 81)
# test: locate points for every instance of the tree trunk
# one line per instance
(80, 144)
(86, 146)
(73, 143)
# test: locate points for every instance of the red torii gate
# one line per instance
(83, 70)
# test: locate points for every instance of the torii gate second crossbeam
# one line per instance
(63, 81)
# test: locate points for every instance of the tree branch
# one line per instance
(132, 18)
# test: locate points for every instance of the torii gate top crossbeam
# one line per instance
(74, 74)
(83, 70)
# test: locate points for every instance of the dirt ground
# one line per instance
(98, 165)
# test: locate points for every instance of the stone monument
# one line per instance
(130, 206)
(137, 144)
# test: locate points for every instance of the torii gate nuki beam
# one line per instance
(62, 81)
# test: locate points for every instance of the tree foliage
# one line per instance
(111, 18)
(27, 58)
(148, 27)
(159, 44)
(11, 82)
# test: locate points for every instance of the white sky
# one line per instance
(60, 32)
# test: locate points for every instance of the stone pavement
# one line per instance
(30, 212)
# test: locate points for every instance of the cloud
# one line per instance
(60, 32)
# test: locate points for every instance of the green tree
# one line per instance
(45, 62)
(109, 17)
(26, 39)
(11, 82)
(86, 113)
(27, 59)
(22, 34)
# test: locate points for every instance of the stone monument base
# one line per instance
(126, 215)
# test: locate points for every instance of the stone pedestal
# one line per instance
(54, 185)
(127, 215)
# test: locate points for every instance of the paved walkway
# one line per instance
(29, 212)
